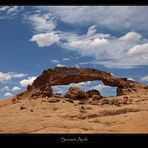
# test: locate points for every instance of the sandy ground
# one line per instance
(40, 116)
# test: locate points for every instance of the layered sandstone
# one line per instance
(66, 75)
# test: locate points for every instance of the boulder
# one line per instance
(128, 90)
(114, 102)
(69, 100)
(103, 101)
(126, 100)
(47, 91)
(14, 100)
(123, 91)
(53, 100)
(76, 93)
(92, 92)
(37, 93)
(96, 97)
(95, 102)
(22, 107)
(29, 87)
(58, 95)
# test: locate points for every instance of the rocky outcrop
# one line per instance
(96, 97)
(76, 94)
(45, 91)
(94, 93)
(124, 91)
(66, 75)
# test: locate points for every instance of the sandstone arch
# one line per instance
(67, 75)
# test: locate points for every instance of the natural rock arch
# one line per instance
(67, 75)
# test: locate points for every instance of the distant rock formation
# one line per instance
(66, 75)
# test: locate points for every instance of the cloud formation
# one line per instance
(145, 79)
(8, 94)
(27, 81)
(141, 49)
(124, 51)
(131, 17)
(60, 65)
(9, 11)
(42, 22)
(131, 36)
(5, 88)
(15, 88)
(100, 87)
(9, 75)
(55, 61)
(45, 39)
(119, 52)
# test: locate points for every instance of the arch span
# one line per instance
(67, 75)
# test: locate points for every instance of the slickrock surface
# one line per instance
(56, 115)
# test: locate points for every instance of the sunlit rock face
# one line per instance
(68, 75)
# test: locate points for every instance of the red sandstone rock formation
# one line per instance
(67, 75)
(93, 92)
(76, 93)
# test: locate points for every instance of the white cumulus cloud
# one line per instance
(45, 39)
(99, 42)
(8, 94)
(127, 51)
(60, 65)
(27, 81)
(86, 45)
(110, 51)
(80, 84)
(5, 88)
(139, 49)
(55, 61)
(145, 78)
(100, 87)
(131, 36)
(15, 88)
(5, 76)
(131, 17)
(91, 30)
(42, 23)
(9, 75)
(10, 11)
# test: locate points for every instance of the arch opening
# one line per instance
(105, 91)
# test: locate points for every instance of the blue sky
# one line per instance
(108, 38)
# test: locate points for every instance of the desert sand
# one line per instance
(41, 116)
